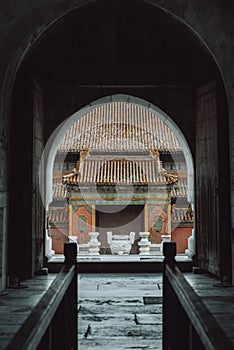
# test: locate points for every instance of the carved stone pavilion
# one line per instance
(119, 168)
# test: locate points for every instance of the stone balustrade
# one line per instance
(120, 244)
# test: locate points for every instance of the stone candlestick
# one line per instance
(94, 243)
(144, 243)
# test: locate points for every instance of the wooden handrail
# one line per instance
(30, 335)
(182, 305)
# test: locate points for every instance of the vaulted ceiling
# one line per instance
(120, 42)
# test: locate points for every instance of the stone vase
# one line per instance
(144, 243)
(94, 244)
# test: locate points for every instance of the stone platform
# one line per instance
(120, 263)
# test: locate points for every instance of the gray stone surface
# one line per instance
(16, 305)
(113, 312)
(219, 300)
(122, 316)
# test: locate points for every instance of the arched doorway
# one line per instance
(121, 71)
(168, 141)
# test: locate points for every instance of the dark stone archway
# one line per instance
(77, 58)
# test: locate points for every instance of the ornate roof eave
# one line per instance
(118, 171)
(74, 183)
(183, 215)
(58, 215)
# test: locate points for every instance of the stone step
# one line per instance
(134, 343)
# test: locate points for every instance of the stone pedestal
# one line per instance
(156, 249)
(190, 252)
(94, 244)
(144, 243)
(83, 249)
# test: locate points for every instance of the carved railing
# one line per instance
(52, 324)
(187, 323)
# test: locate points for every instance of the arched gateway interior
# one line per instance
(116, 168)
(96, 51)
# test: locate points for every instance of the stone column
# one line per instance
(94, 244)
(144, 243)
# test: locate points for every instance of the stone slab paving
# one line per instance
(116, 311)
(16, 305)
(218, 299)
(120, 311)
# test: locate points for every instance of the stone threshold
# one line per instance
(59, 258)
(119, 263)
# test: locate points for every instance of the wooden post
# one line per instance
(146, 217)
(70, 253)
(71, 297)
(169, 252)
(93, 217)
(169, 218)
(70, 220)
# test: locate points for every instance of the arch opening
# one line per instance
(112, 112)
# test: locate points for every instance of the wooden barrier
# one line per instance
(52, 324)
(187, 323)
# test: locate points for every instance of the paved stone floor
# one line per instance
(116, 311)
(121, 311)
(17, 304)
